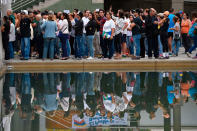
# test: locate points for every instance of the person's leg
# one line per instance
(173, 47)
(105, 48)
(51, 48)
(155, 47)
(63, 41)
(90, 45)
(194, 46)
(170, 38)
(11, 50)
(178, 44)
(27, 48)
(119, 43)
(68, 48)
(184, 41)
(142, 48)
(160, 46)
(136, 39)
(45, 49)
(116, 44)
(111, 50)
(22, 46)
(149, 47)
(124, 44)
(80, 46)
(102, 44)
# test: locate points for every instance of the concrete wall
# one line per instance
(79, 4)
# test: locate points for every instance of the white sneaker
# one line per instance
(90, 58)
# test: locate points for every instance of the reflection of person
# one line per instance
(50, 93)
(193, 89)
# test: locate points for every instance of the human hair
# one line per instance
(102, 10)
(92, 15)
(121, 13)
(126, 14)
(194, 15)
(171, 10)
(176, 19)
(50, 17)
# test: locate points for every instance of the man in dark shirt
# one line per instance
(79, 48)
(101, 21)
(25, 36)
(5, 29)
(151, 24)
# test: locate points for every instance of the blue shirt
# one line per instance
(49, 28)
(171, 25)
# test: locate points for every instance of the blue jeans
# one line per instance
(11, 49)
(130, 45)
(25, 47)
(85, 44)
(90, 39)
(136, 40)
(160, 45)
(26, 83)
(146, 45)
(68, 47)
(177, 44)
(64, 40)
(79, 50)
(195, 44)
(49, 44)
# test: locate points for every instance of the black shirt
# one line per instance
(79, 28)
(91, 27)
(137, 27)
(164, 27)
(25, 27)
(151, 28)
(5, 34)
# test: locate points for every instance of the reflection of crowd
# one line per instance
(107, 94)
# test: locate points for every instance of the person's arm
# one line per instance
(125, 26)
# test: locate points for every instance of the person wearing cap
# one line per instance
(50, 28)
(25, 32)
(79, 48)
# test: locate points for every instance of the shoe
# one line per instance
(136, 58)
(195, 57)
(161, 57)
(90, 58)
(23, 59)
(150, 58)
(65, 58)
(167, 57)
(188, 54)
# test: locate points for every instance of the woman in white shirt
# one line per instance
(108, 36)
(12, 38)
(64, 36)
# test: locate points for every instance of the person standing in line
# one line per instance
(185, 26)
(85, 20)
(136, 26)
(170, 32)
(5, 29)
(12, 38)
(164, 23)
(108, 36)
(101, 21)
(79, 48)
(176, 36)
(119, 22)
(25, 32)
(152, 33)
(64, 36)
(90, 31)
(50, 29)
(72, 33)
(130, 45)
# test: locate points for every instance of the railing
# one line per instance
(18, 5)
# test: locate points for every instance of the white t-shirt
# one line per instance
(129, 33)
(125, 22)
(109, 25)
(85, 22)
(12, 36)
(64, 26)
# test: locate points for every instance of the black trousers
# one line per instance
(142, 47)
(164, 41)
(6, 48)
(153, 46)
(72, 40)
(117, 42)
(39, 42)
(108, 47)
(102, 45)
(186, 41)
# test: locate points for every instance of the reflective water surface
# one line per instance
(141, 101)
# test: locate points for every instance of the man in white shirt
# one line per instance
(85, 20)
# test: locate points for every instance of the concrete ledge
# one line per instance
(101, 65)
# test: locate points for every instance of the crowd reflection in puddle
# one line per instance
(90, 94)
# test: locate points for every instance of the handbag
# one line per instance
(61, 33)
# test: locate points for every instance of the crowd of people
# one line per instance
(107, 94)
(99, 34)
